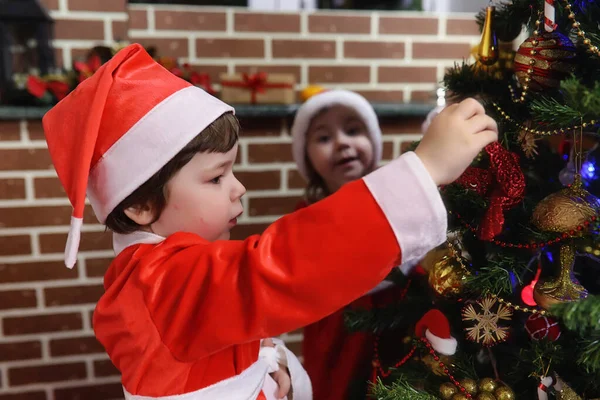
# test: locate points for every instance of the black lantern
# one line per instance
(26, 31)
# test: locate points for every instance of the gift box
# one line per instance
(258, 88)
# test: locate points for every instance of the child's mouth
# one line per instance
(233, 221)
(346, 161)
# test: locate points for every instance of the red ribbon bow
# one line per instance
(38, 87)
(88, 68)
(503, 183)
(257, 83)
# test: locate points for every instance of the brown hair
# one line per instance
(218, 137)
(316, 189)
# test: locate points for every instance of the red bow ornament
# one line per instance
(198, 79)
(88, 68)
(38, 87)
(503, 183)
(257, 83)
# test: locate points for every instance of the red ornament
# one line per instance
(503, 183)
(542, 327)
(527, 292)
(546, 60)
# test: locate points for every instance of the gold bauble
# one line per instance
(487, 385)
(564, 212)
(446, 275)
(460, 396)
(470, 385)
(504, 393)
(567, 209)
(485, 396)
(564, 391)
(447, 390)
(563, 288)
(434, 256)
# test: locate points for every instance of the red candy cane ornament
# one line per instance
(549, 16)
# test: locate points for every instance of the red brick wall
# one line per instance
(47, 349)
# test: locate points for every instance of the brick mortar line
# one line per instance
(15, 174)
(28, 258)
(229, 22)
(244, 10)
(151, 20)
(63, 6)
(51, 310)
(90, 15)
(322, 62)
(50, 284)
(314, 36)
(51, 229)
(61, 384)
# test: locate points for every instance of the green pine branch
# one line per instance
(398, 390)
(579, 102)
(582, 316)
(540, 357)
(509, 17)
(589, 353)
(465, 80)
(387, 318)
(495, 280)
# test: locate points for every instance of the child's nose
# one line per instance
(238, 190)
(342, 140)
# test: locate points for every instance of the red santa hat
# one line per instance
(434, 326)
(329, 98)
(118, 128)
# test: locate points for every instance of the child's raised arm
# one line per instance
(204, 296)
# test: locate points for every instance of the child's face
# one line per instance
(203, 198)
(338, 147)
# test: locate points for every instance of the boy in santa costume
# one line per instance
(185, 309)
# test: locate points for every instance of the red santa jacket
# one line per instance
(183, 315)
(333, 354)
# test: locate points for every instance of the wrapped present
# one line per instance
(258, 88)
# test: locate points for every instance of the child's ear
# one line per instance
(141, 215)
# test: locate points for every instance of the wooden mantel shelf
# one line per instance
(383, 110)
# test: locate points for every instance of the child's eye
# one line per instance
(216, 180)
(323, 139)
(353, 131)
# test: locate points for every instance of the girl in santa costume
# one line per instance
(336, 139)
(185, 309)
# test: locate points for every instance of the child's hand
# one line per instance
(281, 377)
(454, 139)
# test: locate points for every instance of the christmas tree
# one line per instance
(519, 278)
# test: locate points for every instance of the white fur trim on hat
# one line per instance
(331, 98)
(149, 145)
(445, 346)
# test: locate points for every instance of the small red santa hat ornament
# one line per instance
(434, 326)
(118, 128)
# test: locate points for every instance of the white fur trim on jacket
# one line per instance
(326, 99)
(249, 384)
(446, 347)
(411, 203)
